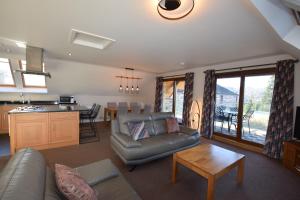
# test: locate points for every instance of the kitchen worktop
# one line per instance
(32, 103)
(49, 108)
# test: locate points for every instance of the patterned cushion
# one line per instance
(137, 130)
(172, 125)
(71, 185)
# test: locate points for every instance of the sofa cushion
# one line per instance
(133, 117)
(126, 140)
(72, 185)
(157, 145)
(24, 176)
(172, 125)
(138, 130)
(159, 122)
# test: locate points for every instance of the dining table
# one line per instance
(112, 112)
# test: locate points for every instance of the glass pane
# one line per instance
(179, 100)
(257, 104)
(6, 77)
(34, 80)
(227, 102)
(167, 96)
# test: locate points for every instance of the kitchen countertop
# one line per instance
(51, 108)
(32, 103)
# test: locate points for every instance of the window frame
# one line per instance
(13, 77)
(242, 75)
(23, 79)
(174, 90)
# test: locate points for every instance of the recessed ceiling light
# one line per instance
(182, 63)
(70, 54)
(21, 44)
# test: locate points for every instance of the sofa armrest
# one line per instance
(97, 172)
(126, 141)
(188, 131)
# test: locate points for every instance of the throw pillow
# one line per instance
(137, 130)
(172, 125)
(72, 185)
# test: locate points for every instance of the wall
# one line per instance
(88, 83)
(199, 74)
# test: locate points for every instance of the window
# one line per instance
(297, 16)
(32, 80)
(6, 76)
(243, 102)
(173, 97)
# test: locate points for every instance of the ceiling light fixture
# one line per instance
(21, 44)
(132, 90)
(70, 54)
(175, 9)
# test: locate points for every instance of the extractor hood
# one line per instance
(34, 62)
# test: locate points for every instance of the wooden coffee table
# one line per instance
(211, 162)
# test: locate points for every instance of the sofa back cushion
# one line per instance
(133, 117)
(24, 176)
(159, 122)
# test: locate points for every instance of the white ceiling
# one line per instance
(215, 32)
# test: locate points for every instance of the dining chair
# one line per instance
(136, 108)
(122, 110)
(133, 104)
(147, 109)
(123, 104)
(111, 104)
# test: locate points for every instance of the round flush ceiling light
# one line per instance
(174, 9)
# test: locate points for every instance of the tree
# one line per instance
(268, 94)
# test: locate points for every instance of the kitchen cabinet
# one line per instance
(4, 117)
(43, 130)
(63, 127)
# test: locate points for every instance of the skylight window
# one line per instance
(32, 80)
(297, 16)
(6, 77)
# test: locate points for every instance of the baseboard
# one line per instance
(238, 144)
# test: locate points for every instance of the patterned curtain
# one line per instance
(208, 108)
(158, 94)
(188, 98)
(280, 125)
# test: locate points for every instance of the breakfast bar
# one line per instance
(44, 127)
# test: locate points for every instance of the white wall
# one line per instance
(88, 83)
(200, 76)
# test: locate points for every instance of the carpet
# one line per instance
(265, 179)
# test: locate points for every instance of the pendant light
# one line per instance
(121, 87)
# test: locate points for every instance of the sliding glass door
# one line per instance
(243, 101)
(173, 97)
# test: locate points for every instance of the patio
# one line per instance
(255, 135)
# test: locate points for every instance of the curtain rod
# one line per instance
(250, 66)
(174, 76)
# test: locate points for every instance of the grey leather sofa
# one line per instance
(160, 144)
(26, 177)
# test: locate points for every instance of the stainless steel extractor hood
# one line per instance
(34, 61)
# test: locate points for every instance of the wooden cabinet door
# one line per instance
(31, 130)
(64, 127)
(4, 117)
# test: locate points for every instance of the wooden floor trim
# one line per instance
(238, 144)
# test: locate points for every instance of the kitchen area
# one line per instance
(39, 124)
